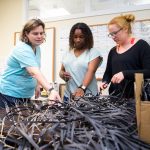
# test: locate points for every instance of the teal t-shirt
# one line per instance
(77, 67)
(16, 81)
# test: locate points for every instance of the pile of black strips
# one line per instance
(87, 123)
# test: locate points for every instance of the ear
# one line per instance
(126, 30)
(26, 34)
(26, 37)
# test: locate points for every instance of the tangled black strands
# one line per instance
(145, 96)
(86, 123)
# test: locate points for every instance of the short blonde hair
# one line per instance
(30, 25)
(123, 21)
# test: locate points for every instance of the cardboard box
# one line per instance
(142, 110)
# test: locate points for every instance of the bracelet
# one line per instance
(83, 88)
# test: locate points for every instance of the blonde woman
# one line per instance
(130, 55)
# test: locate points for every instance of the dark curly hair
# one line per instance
(87, 34)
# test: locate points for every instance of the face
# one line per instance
(116, 33)
(36, 36)
(79, 39)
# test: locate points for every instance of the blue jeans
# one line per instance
(9, 101)
(66, 99)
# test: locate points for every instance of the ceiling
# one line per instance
(49, 8)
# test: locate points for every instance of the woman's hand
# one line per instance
(65, 76)
(117, 78)
(54, 97)
(78, 93)
(103, 85)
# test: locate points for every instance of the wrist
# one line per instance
(84, 88)
(49, 91)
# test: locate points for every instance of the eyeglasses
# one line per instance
(112, 34)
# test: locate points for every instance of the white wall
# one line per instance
(12, 18)
(140, 15)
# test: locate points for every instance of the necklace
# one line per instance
(132, 41)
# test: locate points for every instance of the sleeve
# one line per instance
(64, 55)
(25, 57)
(108, 72)
(94, 53)
(144, 55)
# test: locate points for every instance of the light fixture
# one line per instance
(142, 2)
(55, 12)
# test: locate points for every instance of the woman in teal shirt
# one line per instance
(22, 77)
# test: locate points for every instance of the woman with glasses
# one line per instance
(130, 55)
(22, 77)
(80, 63)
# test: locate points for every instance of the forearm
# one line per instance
(42, 81)
(61, 74)
(106, 79)
(107, 76)
(92, 67)
(130, 74)
(38, 85)
(108, 72)
(88, 78)
(36, 73)
(80, 91)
